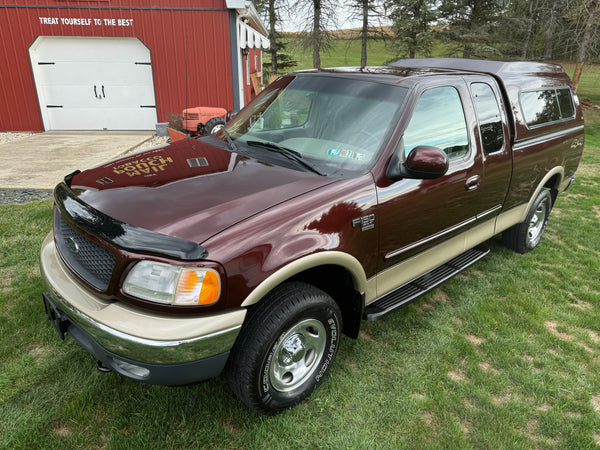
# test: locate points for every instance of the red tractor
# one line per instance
(203, 120)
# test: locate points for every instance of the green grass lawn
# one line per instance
(504, 355)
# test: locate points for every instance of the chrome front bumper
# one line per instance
(121, 335)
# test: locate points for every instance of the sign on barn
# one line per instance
(124, 64)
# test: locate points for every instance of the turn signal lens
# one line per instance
(211, 289)
(197, 287)
(175, 285)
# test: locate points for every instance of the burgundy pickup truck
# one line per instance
(334, 197)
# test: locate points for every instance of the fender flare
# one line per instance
(556, 170)
(336, 258)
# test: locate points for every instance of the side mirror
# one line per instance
(423, 163)
(231, 114)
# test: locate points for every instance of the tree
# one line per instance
(369, 11)
(540, 29)
(280, 60)
(554, 11)
(470, 23)
(318, 17)
(589, 9)
(412, 20)
(526, 28)
(518, 26)
(529, 22)
(317, 33)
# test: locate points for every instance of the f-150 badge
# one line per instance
(365, 222)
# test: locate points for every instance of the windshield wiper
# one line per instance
(288, 153)
(232, 146)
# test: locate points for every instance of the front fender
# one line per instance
(336, 258)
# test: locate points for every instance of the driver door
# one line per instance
(417, 215)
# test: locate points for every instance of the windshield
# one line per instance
(336, 125)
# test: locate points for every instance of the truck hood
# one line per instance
(189, 189)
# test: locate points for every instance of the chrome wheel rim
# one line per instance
(297, 355)
(217, 128)
(536, 224)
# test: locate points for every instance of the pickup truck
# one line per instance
(335, 196)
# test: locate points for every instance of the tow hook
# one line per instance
(102, 368)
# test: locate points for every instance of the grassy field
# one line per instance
(343, 52)
(506, 355)
(589, 85)
(346, 52)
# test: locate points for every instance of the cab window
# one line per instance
(439, 121)
(488, 115)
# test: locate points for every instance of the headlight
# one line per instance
(173, 285)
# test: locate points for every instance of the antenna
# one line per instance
(186, 68)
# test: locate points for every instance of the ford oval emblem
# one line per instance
(72, 245)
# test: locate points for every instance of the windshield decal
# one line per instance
(343, 153)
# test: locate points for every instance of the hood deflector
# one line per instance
(120, 234)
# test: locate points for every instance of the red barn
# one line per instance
(123, 64)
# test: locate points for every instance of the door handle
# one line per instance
(95, 91)
(473, 183)
(103, 94)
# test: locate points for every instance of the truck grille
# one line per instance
(87, 259)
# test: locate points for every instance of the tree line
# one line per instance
(492, 29)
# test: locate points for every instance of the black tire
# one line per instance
(525, 236)
(286, 347)
(214, 125)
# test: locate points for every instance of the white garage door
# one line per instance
(94, 83)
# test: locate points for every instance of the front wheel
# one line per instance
(285, 348)
(525, 236)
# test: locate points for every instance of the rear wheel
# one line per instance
(286, 348)
(525, 236)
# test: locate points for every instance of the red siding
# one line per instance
(190, 44)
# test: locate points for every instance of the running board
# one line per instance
(425, 283)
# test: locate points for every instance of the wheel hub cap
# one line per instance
(293, 350)
(536, 224)
(297, 355)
